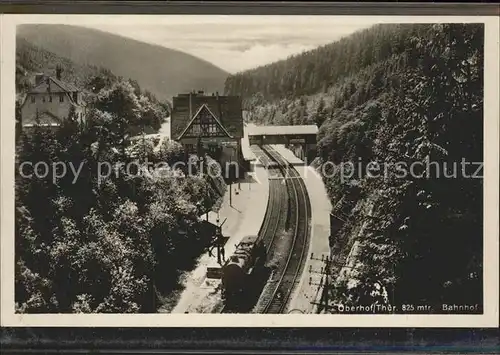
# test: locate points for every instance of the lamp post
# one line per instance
(218, 237)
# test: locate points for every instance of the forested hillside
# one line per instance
(90, 79)
(104, 236)
(318, 69)
(397, 97)
(163, 71)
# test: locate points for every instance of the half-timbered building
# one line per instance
(211, 123)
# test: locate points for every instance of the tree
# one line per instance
(93, 243)
(396, 94)
(151, 114)
(121, 102)
(170, 152)
(321, 113)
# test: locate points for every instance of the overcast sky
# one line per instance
(236, 43)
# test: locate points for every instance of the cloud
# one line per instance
(253, 56)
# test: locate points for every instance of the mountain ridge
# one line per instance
(168, 72)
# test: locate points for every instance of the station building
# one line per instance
(213, 121)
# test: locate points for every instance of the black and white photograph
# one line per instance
(251, 165)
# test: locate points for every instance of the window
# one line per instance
(43, 98)
(61, 97)
(195, 129)
(50, 98)
(32, 98)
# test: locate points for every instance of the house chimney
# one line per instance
(39, 78)
(58, 72)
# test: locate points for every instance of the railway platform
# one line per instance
(288, 155)
(243, 216)
(245, 147)
(320, 229)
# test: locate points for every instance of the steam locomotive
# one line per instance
(239, 272)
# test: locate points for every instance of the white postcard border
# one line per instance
(490, 317)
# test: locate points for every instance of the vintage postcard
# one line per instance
(249, 171)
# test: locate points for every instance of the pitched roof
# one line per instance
(53, 85)
(50, 84)
(281, 130)
(196, 116)
(65, 85)
(227, 109)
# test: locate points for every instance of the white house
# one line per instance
(51, 100)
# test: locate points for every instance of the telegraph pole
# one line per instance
(325, 271)
(324, 283)
(218, 236)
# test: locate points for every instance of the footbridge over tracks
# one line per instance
(299, 139)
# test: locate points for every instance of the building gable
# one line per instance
(49, 85)
(204, 123)
(227, 109)
(53, 86)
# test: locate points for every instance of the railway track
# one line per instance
(276, 206)
(298, 216)
(298, 220)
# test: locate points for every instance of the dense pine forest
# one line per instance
(406, 95)
(115, 243)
